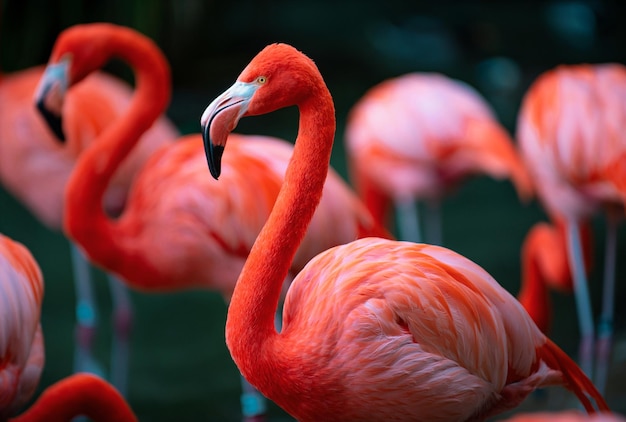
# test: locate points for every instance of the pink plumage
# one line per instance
(21, 339)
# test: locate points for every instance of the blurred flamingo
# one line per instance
(416, 137)
(566, 416)
(21, 339)
(180, 229)
(35, 167)
(22, 353)
(545, 267)
(570, 128)
(374, 329)
(80, 394)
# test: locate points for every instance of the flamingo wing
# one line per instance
(420, 319)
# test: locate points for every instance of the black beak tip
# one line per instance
(214, 157)
(213, 154)
(54, 122)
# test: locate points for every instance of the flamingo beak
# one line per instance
(50, 95)
(220, 118)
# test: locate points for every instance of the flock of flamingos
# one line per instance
(371, 328)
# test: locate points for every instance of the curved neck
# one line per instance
(85, 219)
(250, 322)
(80, 394)
(534, 295)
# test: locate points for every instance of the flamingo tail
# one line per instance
(575, 378)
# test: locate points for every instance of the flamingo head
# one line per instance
(279, 76)
(78, 51)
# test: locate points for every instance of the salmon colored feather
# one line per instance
(21, 339)
(374, 329)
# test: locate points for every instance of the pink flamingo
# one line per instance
(425, 133)
(21, 338)
(570, 128)
(80, 394)
(180, 229)
(374, 329)
(35, 167)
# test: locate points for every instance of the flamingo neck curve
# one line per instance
(79, 394)
(85, 220)
(534, 295)
(250, 332)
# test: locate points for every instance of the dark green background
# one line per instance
(180, 368)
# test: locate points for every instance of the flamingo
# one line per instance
(375, 329)
(81, 394)
(569, 130)
(21, 338)
(426, 133)
(35, 167)
(545, 266)
(180, 229)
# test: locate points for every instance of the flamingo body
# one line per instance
(21, 338)
(196, 233)
(433, 328)
(570, 130)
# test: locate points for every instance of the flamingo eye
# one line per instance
(261, 80)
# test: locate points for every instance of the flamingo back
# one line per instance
(210, 226)
(570, 128)
(21, 339)
(424, 132)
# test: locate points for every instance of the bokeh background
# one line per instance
(180, 367)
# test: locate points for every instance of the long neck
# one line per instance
(85, 220)
(80, 394)
(534, 295)
(250, 323)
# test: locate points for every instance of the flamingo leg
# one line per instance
(122, 325)
(253, 403)
(407, 218)
(581, 292)
(86, 315)
(605, 325)
(432, 219)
